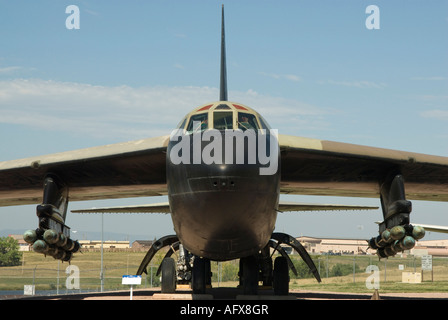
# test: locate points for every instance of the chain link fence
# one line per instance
(390, 269)
(69, 278)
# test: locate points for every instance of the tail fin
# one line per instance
(223, 80)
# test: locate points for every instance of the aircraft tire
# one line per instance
(281, 277)
(168, 275)
(199, 275)
(250, 275)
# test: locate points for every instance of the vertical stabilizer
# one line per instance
(223, 80)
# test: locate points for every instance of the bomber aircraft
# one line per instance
(223, 170)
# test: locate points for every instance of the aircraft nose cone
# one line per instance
(223, 224)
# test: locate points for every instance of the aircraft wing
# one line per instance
(318, 167)
(308, 166)
(129, 169)
(164, 207)
(297, 206)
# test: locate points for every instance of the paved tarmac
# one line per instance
(235, 294)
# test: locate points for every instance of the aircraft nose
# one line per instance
(221, 224)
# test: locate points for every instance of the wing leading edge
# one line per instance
(165, 208)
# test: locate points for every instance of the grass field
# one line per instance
(44, 271)
(48, 274)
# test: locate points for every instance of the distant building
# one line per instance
(431, 247)
(23, 245)
(334, 245)
(109, 244)
(142, 244)
(360, 246)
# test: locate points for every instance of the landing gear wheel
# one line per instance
(249, 275)
(199, 277)
(208, 274)
(281, 277)
(168, 275)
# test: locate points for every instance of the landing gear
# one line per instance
(196, 271)
(168, 275)
(188, 269)
(249, 275)
(201, 275)
(172, 272)
(281, 277)
(259, 268)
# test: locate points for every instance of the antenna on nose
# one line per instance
(223, 80)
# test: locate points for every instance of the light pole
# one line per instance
(102, 240)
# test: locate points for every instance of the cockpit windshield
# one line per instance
(222, 116)
(223, 120)
(198, 122)
(247, 121)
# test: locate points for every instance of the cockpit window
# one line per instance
(198, 122)
(222, 107)
(264, 124)
(247, 121)
(181, 124)
(223, 120)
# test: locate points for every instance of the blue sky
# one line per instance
(311, 68)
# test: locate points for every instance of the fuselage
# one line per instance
(223, 181)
